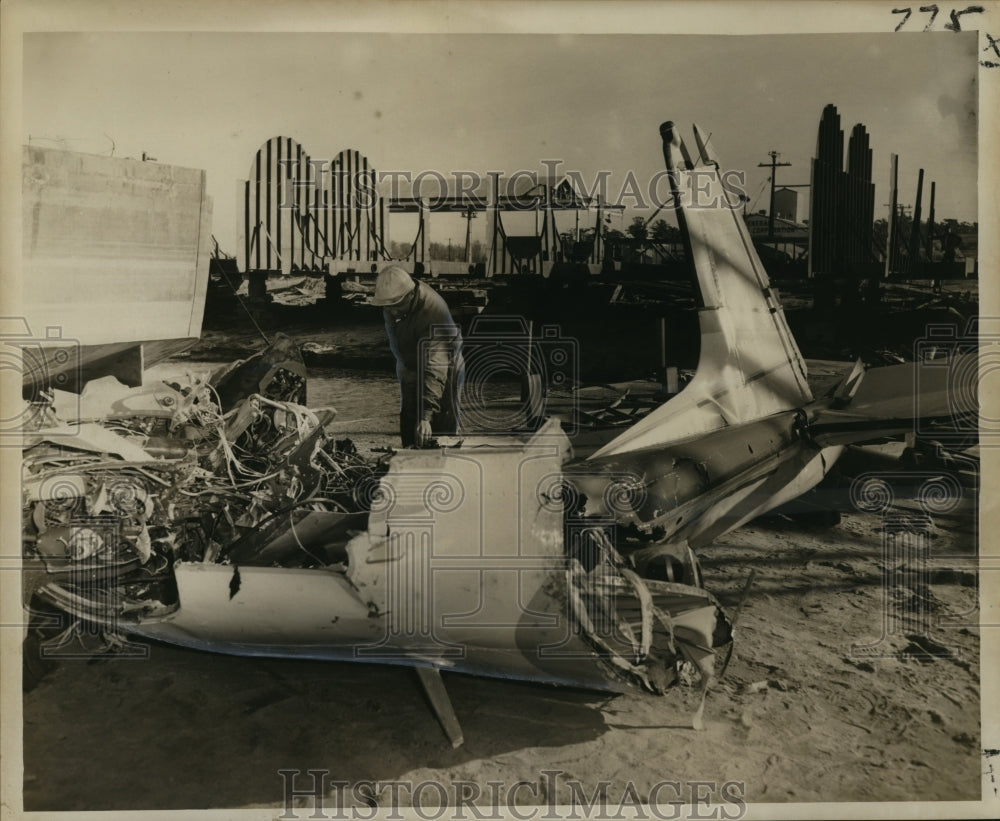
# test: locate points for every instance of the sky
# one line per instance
(503, 102)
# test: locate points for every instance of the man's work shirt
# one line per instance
(427, 345)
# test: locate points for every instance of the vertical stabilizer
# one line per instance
(749, 366)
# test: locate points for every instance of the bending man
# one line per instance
(427, 345)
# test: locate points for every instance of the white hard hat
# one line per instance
(392, 286)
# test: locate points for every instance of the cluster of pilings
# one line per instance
(299, 212)
(842, 240)
(842, 203)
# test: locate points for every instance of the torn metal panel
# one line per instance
(462, 566)
(105, 399)
(471, 539)
(92, 438)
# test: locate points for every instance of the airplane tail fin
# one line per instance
(749, 366)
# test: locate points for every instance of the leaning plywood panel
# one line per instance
(114, 250)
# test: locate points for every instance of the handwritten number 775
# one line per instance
(954, 25)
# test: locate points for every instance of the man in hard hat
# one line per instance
(427, 345)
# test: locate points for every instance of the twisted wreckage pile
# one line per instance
(219, 470)
(233, 474)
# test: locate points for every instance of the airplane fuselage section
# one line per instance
(699, 488)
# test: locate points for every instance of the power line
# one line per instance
(773, 165)
(759, 192)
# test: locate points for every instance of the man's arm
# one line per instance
(439, 337)
(438, 347)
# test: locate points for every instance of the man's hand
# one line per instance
(423, 433)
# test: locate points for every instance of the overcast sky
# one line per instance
(506, 102)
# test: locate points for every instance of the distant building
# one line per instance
(786, 204)
(784, 230)
(790, 237)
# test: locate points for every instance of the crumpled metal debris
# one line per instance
(195, 492)
(229, 469)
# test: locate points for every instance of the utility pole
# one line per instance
(890, 239)
(774, 164)
(930, 228)
(470, 215)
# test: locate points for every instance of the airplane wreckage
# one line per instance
(222, 515)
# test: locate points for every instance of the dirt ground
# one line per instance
(798, 716)
(854, 678)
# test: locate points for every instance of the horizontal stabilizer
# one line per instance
(902, 398)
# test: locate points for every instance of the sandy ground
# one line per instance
(797, 717)
(803, 713)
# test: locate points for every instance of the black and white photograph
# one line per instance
(496, 410)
